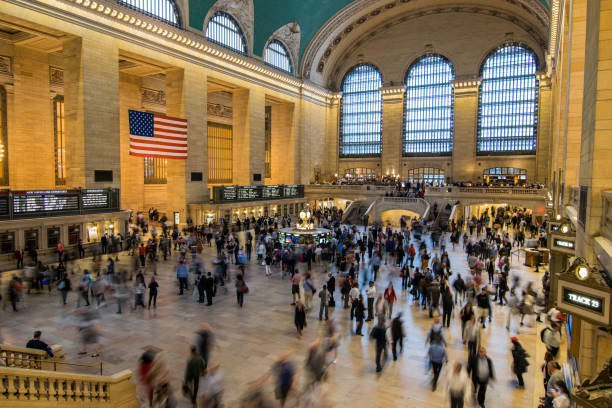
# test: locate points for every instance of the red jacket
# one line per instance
(390, 295)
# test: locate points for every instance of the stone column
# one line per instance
(91, 86)
(249, 134)
(466, 126)
(175, 107)
(392, 128)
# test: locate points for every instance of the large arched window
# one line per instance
(428, 107)
(277, 56)
(3, 139)
(162, 10)
(222, 29)
(361, 113)
(508, 102)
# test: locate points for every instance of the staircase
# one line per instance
(26, 380)
(354, 213)
(441, 222)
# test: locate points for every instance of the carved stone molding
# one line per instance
(216, 109)
(56, 76)
(153, 97)
(243, 11)
(6, 67)
(290, 36)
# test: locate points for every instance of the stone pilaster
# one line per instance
(195, 112)
(544, 132)
(92, 111)
(175, 107)
(466, 125)
(31, 137)
(392, 128)
(283, 169)
(249, 134)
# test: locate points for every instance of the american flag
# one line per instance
(153, 135)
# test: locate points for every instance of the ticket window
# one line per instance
(266, 211)
(53, 237)
(74, 234)
(291, 211)
(93, 232)
(285, 210)
(110, 229)
(31, 239)
(7, 243)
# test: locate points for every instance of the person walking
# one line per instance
(193, 372)
(379, 334)
(309, 291)
(519, 361)
(481, 368)
(331, 288)
(153, 286)
(209, 288)
(359, 314)
(64, 286)
(324, 296)
(437, 357)
(447, 306)
(299, 318)
(397, 335)
(241, 289)
(285, 378)
(390, 298)
(472, 334)
(484, 306)
(182, 272)
(371, 294)
(295, 287)
(458, 385)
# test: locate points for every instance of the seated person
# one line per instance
(38, 344)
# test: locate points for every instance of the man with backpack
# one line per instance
(435, 334)
(551, 337)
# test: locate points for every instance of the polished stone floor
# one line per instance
(249, 339)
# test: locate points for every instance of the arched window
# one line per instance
(162, 10)
(361, 113)
(277, 56)
(428, 107)
(3, 139)
(508, 102)
(222, 29)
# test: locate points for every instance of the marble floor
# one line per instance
(249, 339)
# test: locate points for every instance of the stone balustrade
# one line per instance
(21, 357)
(21, 387)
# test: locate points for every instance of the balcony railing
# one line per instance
(21, 357)
(516, 191)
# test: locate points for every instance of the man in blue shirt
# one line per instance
(182, 272)
(36, 343)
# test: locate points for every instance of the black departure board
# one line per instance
(45, 201)
(272, 192)
(95, 199)
(232, 194)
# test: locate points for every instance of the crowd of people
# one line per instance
(350, 264)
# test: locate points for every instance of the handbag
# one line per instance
(245, 288)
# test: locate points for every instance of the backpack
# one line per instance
(542, 333)
(435, 336)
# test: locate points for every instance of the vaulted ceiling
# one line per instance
(312, 15)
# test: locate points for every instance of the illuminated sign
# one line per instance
(581, 300)
(229, 194)
(563, 243)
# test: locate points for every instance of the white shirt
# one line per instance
(371, 292)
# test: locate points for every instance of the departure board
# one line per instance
(271, 192)
(232, 194)
(26, 202)
(95, 199)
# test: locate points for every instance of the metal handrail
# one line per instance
(56, 362)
